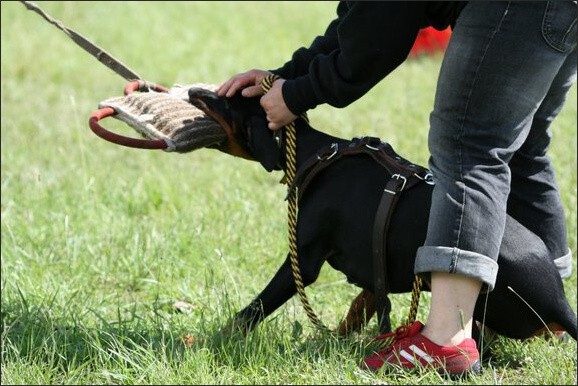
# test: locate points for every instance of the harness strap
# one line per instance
(381, 152)
(381, 223)
(403, 175)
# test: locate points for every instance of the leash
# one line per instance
(415, 294)
(291, 162)
(87, 45)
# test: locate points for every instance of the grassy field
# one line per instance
(99, 241)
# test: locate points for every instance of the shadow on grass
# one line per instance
(52, 338)
(33, 334)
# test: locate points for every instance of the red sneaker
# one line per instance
(410, 349)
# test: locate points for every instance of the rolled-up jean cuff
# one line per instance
(454, 260)
(564, 265)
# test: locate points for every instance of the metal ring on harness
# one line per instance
(118, 139)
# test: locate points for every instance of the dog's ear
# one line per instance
(263, 144)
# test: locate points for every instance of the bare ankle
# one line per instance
(445, 337)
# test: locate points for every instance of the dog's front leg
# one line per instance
(280, 289)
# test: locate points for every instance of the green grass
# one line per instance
(98, 241)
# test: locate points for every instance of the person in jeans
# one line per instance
(504, 78)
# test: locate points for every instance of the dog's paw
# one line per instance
(235, 327)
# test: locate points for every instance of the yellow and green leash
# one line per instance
(291, 169)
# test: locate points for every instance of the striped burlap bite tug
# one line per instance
(168, 116)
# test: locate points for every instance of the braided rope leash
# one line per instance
(291, 150)
(415, 293)
(291, 169)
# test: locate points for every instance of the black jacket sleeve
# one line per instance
(366, 42)
(299, 63)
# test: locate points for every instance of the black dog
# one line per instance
(335, 222)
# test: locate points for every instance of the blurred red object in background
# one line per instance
(429, 41)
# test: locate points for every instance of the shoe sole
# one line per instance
(475, 369)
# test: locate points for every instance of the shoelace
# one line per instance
(386, 341)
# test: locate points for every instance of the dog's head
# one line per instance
(245, 123)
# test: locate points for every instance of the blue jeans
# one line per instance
(505, 76)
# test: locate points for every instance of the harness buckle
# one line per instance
(333, 149)
(399, 177)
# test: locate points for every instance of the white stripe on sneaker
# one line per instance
(416, 351)
(407, 356)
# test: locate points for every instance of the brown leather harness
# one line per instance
(402, 176)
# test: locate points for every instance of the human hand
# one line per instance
(249, 82)
(278, 114)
